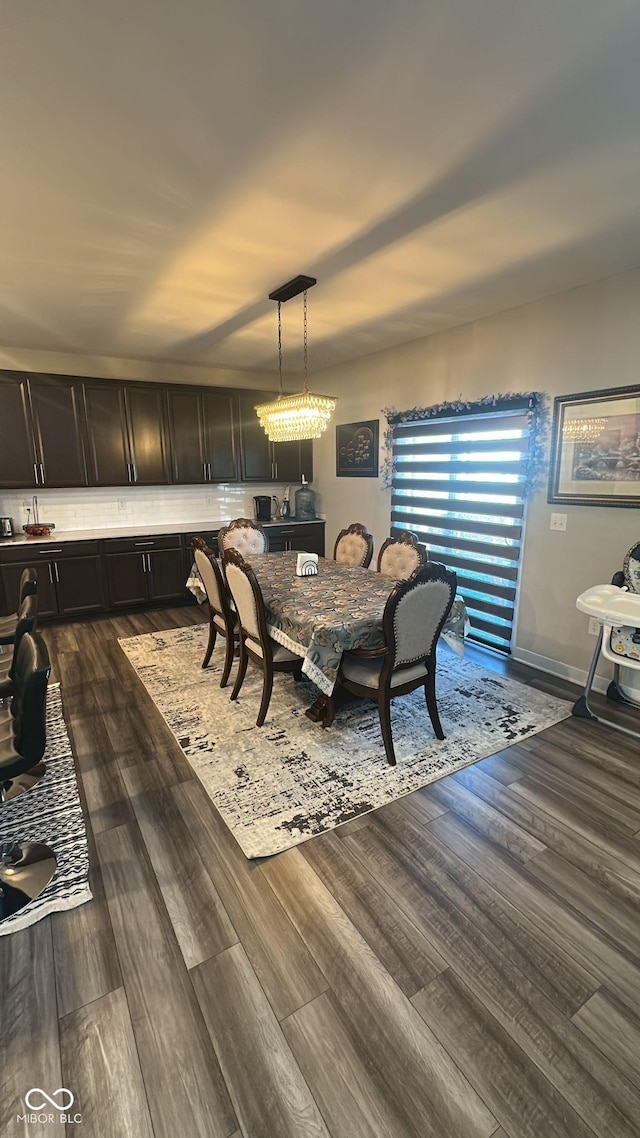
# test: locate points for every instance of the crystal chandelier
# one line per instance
(582, 430)
(305, 415)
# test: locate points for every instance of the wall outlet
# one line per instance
(210, 500)
(594, 626)
(558, 522)
(122, 504)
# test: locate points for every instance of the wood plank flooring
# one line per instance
(463, 963)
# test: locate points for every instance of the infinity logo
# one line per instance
(66, 1103)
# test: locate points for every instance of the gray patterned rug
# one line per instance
(278, 785)
(51, 813)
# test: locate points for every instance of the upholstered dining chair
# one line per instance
(354, 546)
(245, 535)
(401, 555)
(413, 618)
(27, 618)
(255, 642)
(222, 619)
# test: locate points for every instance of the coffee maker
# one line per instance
(263, 507)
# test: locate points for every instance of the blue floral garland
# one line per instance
(537, 415)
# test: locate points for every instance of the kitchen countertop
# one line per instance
(134, 530)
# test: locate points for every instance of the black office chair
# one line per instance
(23, 731)
(27, 619)
(26, 868)
(28, 587)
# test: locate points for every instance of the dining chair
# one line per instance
(412, 622)
(222, 619)
(255, 642)
(401, 555)
(245, 535)
(354, 547)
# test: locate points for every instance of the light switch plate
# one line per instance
(558, 522)
(122, 505)
(594, 626)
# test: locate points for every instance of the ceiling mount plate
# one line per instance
(291, 288)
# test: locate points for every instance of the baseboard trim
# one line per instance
(557, 668)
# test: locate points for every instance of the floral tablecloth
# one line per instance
(321, 617)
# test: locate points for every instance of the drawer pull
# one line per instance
(141, 543)
(47, 552)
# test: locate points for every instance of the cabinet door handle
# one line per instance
(42, 477)
(55, 566)
(209, 471)
(129, 471)
(275, 467)
(148, 556)
(144, 562)
(204, 471)
(35, 473)
(51, 572)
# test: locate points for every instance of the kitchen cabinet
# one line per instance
(106, 417)
(263, 461)
(307, 538)
(57, 411)
(126, 428)
(67, 585)
(148, 449)
(143, 570)
(17, 452)
(201, 428)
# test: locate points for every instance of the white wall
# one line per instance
(581, 340)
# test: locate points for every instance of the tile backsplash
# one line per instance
(104, 508)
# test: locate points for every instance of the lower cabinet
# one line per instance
(308, 538)
(66, 586)
(139, 576)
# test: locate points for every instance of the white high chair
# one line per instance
(617, 608)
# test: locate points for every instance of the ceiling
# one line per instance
(166, 165)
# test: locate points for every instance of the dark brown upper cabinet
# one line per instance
(148, 449)
(126, 430)
(201, 427)
(108, 441)
(58, 428)
(17, 445)
(263, 461)
(257, 451)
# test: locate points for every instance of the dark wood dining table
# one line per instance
(339, 610)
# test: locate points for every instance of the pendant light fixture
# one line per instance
(305, 415)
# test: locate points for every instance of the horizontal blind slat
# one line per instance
(457, 467)
(474, 446)
(455, 505)
(464, 425)
(471, 564)
(497, 490)
(401, 520)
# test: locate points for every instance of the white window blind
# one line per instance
(459, 484)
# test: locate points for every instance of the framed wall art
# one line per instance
(357, 450)
(595, 448)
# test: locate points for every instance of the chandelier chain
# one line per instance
(280, 344)
(304, 298)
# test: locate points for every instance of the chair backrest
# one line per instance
(401, 555)
(354, 546)
(415, 613)
(29, 704)
(28, 584)
(211, 577)
(244, 535)
(27, 620)
(247, 597)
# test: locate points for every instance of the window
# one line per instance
(459, 484)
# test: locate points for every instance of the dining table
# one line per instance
(338, 610)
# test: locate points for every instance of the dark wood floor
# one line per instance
(460, 964)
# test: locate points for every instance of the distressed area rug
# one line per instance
(51, 813)
(278, 785)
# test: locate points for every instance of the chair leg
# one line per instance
(228, 660)
(297, 675)
(430, 696)
(267, 688)
(213, 632)
(384, 710)
(242, 671)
